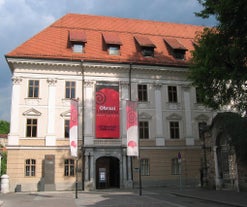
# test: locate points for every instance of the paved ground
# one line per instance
(151, 197)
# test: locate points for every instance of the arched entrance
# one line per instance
(107, 173)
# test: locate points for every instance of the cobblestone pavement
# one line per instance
(151, 197)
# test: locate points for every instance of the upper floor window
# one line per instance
(30, 167)
(199, 97)
(174, 130)
(77, 40)
(33, 88)
(146, 46)
(66, 128)
(145, 168)
(143, 129)
(69, 167)
(142, 93)
(114, 50)
(112, 43)
(31, 127)
(176, 48)
(172, 94)
(70, 89)
(201, 128)
(78, 48)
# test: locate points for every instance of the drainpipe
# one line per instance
(82, 124)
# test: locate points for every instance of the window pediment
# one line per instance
(174, 117)
(32, 112)
(145, 116)
(65, 114)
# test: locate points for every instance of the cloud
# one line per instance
(5, 97)
(21, 19)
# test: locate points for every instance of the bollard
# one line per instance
(4, 183)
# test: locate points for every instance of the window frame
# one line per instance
(172, 94)
(175, 166)
(33, 89)
(113, 50)
(142, 90)
(78, 47)
(69, 167)
(174, 130)
(145, 167)
(66, 128)
(70, 90)
(143, 129)
(30, 168)
(31, 128)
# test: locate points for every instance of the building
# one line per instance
(104, 61)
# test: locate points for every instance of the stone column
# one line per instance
(160, 140)
(88, 112)
(188, 117)
(51, 135)
(13, 138)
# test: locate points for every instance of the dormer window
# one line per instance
(112, 43)
(146, 46)
(176, 48)
(77, 40)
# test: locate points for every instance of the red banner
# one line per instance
(132, 128)
(107, 112)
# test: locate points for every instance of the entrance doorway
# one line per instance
(107, 173)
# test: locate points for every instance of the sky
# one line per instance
(22, 19)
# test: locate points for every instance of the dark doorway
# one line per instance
(107, 173)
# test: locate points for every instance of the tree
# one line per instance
(219, 62)
(4, 127)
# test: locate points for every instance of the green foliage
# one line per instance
(4, 163)
(4, 127)
(219, 61)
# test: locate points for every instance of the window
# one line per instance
(147, 51)
(112, 43)
(201, 127)
(143, 130)
(66, 128)
(78, 47)
(174, 130)
(69, 167)
(70, 89)
(145, 167)
(172, 94)
(30, 167)
(176, 48)
(175, 167)
(199, 97)
(114, 50)
(33, 88)
(31, 128)
(77, 40)
(142, 93)
(146, 46)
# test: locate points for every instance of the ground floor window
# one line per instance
(69, 167)
(30, 167)
(145, 167)
(175, 166)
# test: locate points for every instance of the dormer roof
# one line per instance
(52, 42)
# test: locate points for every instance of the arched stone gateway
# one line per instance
(107, 172)
(224, 167)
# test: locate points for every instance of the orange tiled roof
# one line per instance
(52, 42)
